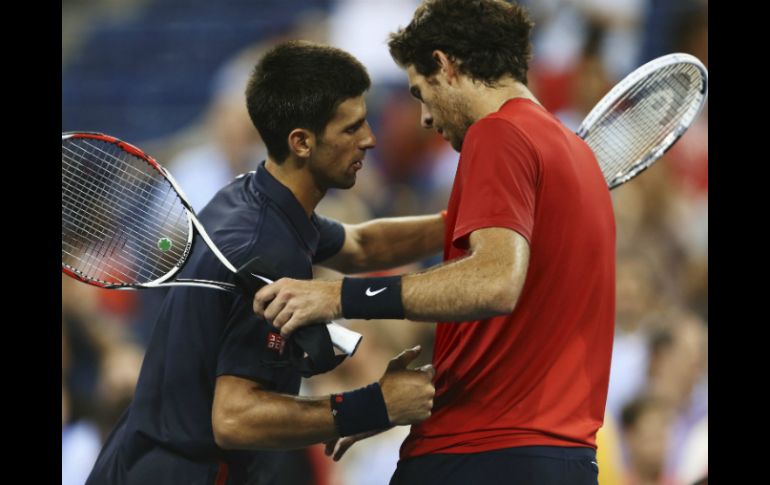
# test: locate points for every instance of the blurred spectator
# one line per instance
(665, 428)
(677, 374)
(588, 80)
(638, 295)
(562, 29)
(688, 165)
(645, 422)
(80, 439)
(100, 366)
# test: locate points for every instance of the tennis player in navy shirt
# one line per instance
(215, 398)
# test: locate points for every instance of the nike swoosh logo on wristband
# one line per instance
(369, 291)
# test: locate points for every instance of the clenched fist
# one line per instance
(408, 393)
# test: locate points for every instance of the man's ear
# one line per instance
(301, 142)
(446, 65)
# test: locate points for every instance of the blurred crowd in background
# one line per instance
(169, 76)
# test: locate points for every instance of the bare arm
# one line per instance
(246, 416)
(387, 243)
(484, 283)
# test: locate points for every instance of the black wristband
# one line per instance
(360, 410)
(372, 297)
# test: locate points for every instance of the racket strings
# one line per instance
(85, 193)
(109, 212)
(630, 116)
(97, 227)
(137, 181)
(98, 246)
(90, 194)
(647, 119)
(122, 221)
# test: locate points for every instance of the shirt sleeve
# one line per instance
(332, 236)
(499, 180)
(250, 347)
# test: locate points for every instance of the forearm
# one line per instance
(395, 241)
(266, 420)
(484, 283)
(463, 289)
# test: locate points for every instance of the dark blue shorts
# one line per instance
(528, 465)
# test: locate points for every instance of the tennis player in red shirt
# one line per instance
(526, 294)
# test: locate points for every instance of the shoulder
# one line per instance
(324, 223)
(495, 140)
(499, 131)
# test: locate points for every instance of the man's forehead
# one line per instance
(417, 80)
(350, 108)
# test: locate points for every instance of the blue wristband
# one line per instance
(372, 297)
(360, 410)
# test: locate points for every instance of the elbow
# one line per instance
(362, 259)
(224, 442)
(504, 297)
(229, 433)
(225, 433)
(240, 415)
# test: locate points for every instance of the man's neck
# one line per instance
(298, 181)
(485, 100)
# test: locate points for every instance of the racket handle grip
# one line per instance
(344, 339)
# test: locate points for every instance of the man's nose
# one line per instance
(426, 118)
(370, 141)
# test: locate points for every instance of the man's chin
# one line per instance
(347, 183)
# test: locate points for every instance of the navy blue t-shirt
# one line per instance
(166, 436)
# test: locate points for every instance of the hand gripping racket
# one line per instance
(126, 224)
(644, 115)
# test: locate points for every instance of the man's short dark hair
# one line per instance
(488, 38)
(299, 84)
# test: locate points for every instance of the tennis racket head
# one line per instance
(644, 115)
(124, 225)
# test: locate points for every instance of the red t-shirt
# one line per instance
(539, 375)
